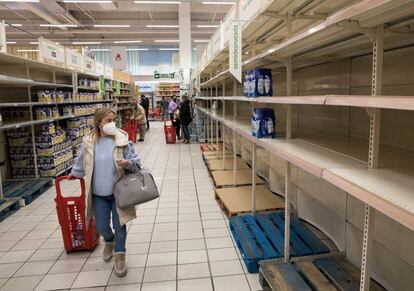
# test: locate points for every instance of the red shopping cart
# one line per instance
(72, 220)
(131, 129)
(169, 131)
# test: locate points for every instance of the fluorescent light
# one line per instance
(27, 51)
(271, 51)
(15, 25)
(100, 50)
(88, 1)
(137, 49)
(58, 25)
(217, 3)
(128, 41)
(208, 26)
(202, 40)
(158, 2)
(10, 42)
(34, 42)
(314, 29)
(169, 49)
(86, 42)
(112, 25)
(162, 26)
(19, 0)
(167, 40)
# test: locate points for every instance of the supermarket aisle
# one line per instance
(180, 242)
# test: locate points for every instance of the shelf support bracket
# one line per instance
(367, 245)
(212, 125)
(224, 133)
(289, 91)
(287, 212)
(234, 144)
(254, 147)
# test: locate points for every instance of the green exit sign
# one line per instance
(164, 76)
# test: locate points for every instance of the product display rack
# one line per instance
(380, 175)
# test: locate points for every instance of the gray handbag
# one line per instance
(135, 188)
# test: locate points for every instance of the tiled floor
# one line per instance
(179, 242)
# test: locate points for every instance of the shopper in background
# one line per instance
(146, 105)
(185, 118)
(176, 122)
(172, 107)
(105, 155)
(139, 116)
(164, 107)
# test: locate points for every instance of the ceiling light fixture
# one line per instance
(208, 26)
(128, 41)
(100, 50)
(35, 1)
(112, 25)
(58, 25)
(15, 25)
(10, 42)
(167, 40)
(86, 42)
(88, 1)
(158, 2)
(162, 26)
(217, 3)
(34, 42)
(137, 49)
(202, 40)
(168, 49)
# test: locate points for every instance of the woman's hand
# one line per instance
(71, 177)
(122, 163)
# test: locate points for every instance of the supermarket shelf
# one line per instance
(36, 122)
(7, 81)
(88, 88)
(218, 78)
(26, 104)
(366, 101)
(387, 189)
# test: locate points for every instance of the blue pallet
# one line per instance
(8, 206)
(28, 190)
(261, 237)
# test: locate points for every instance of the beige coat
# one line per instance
(139, 114)
(121, 140)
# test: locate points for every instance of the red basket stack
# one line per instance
(169, 131)
(131, 129)
(72, 220)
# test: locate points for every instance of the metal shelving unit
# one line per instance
(379, 176)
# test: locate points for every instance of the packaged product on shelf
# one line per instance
(20, 153)
(264, 123)
(258, 82)
(44, 96)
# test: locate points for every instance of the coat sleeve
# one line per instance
(134, 160)
(78, 169)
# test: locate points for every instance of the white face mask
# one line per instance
(109, 128)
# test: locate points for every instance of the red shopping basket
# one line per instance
(169, 131)
(131, 129)
(72, 220)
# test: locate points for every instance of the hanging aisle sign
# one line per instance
(100, 69)
(3, 45)
(50, 52)
(235, 50)
(73, 59)
(119, 58)
(89, 63)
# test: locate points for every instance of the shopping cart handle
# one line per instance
(61, 178)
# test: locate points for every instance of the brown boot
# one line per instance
(108, 251)
(120, 265)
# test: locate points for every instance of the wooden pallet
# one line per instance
(211, 147)
(217, 156)
(217, 164)
(225, 178)
(8, 206)
(261, 237)
(329, 273)
(214, 153)
(238, 200)
(28, 190)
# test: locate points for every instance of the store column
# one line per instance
(185, 40)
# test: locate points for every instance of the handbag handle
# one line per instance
(141, 177)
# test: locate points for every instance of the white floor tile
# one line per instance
(28, 244)
(133, 276)
(46, 254)
(162, 273)
(92, 279)
(16, 256)
(137, 248)
(200, 284)
(214, 223)
(192, 271)
(22, 283)
(97, 264)
(224, 254)
(216, 232)
(191, 244)
(164, 236)
(129, 287)
(162, 259)
(139, 237)
(160, 286)
(165, 227)
(225, 268)
(67, 266)
(219, 242)
(253, 280)
(7, 245)
(163, 246)
(231, 283)
(56, 281)
(136, 261)
(191, 257)
(7, 270)
(34, 268)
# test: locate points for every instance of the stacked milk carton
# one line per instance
(264, 123)
(258, 82)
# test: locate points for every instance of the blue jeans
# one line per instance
(103, 206)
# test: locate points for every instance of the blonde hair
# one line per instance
(100, 114)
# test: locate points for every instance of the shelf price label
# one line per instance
(235, 57)
(50, 52)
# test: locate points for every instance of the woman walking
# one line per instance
(185, 118)
(105, 155)
(139, 116)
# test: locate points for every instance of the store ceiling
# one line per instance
(132, 20)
